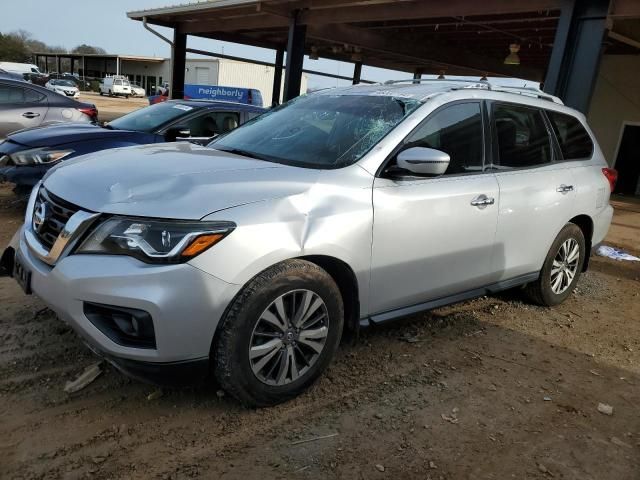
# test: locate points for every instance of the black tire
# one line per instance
(101, 93)
(541, 291)
(110, 94)
(230, 351)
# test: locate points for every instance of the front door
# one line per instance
(431, 236)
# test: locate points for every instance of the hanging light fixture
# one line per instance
(513, 58)
(441, 76)
(314, 53)
(484, 78)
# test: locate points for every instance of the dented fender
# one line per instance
(329, 217)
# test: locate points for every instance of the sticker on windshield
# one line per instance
(186, 108)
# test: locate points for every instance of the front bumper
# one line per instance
(185, 305)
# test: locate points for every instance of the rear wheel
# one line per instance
(561, 269)
(279, 334)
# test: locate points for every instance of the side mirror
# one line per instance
(173, 133)
(423, 161)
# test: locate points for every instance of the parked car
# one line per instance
(30, 153)
(116, 86)
(81, 84)
(137, 90)
(24, 105)
(63, 87)
(11, 75)
(341, 209)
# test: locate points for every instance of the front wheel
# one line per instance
(279, 334)
(561, 269)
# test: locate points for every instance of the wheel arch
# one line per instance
(347, 282)
(585, 223)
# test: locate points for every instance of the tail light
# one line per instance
(612, 176)
(91, 112)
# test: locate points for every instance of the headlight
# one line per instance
(155, 241)
(39, 156)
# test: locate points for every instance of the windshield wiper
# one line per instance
(244, 153)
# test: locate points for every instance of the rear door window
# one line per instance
(32, 96)
(575, 142)
(522, 136)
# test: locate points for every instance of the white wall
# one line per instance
(616, 100)
(250, 75)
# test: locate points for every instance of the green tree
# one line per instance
(88, 49)
(12, 49)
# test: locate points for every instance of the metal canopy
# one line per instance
(456, 36)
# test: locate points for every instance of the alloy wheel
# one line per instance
(565, 266)
(289, 337)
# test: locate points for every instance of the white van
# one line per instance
(20, 68)
(116, 85)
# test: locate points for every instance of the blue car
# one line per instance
(26, 155)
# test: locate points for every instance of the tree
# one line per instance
(12, 49)
(88, 49)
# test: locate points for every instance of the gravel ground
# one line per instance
(492, 388)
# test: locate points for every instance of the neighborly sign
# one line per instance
(249, 96)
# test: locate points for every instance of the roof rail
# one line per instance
(483, 84)
(434, 80)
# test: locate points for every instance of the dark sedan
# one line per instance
(25, 156)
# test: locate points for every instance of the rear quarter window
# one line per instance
(575, 142)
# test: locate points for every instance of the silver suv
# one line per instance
(349, 207)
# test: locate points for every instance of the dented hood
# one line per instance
(173, 180)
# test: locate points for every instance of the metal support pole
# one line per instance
(58, 63)
(577, 48)
(417, 75)
(295, 58)
(178, 63)
(357, 72)
(277, 77)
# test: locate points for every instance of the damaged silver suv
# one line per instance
(249, 258)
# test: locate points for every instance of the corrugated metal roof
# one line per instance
(190, 7)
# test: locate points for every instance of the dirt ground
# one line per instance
(110, 108)
(493, 388)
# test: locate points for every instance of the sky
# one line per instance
(105, 24)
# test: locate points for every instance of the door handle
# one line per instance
(564, 188)
(482, 201)
(30, 115)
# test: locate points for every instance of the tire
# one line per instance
(549, 290)
(127, 97)
(101, 93)
(244, 332)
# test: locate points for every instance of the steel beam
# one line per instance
(277, 77)
(178, 64)
(295, 58)
(575, 58)
(357, 72)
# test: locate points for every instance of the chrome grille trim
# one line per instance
(59, 233)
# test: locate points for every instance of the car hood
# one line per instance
(172, 180)
(63, 133)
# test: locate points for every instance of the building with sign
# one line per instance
(151, 72)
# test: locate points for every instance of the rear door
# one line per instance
(431, 235)
(20, 107)
(537, 192)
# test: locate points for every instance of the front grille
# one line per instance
(60, 212)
